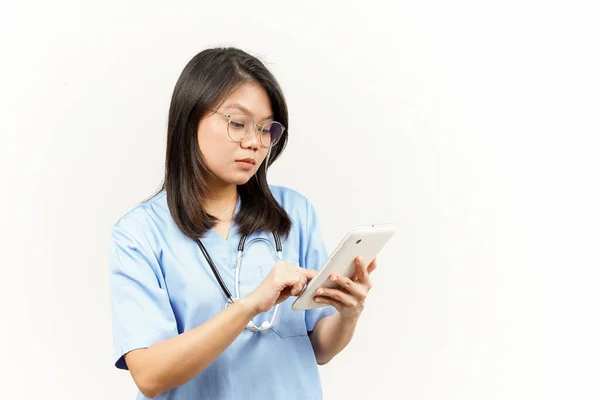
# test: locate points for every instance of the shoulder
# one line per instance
(144, 217)
(298, 206)
(290, 199)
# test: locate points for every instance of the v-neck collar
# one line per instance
(232, 235)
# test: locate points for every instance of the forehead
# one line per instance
(250, 98)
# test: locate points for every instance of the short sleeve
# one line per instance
(314, 255)
(141, 310)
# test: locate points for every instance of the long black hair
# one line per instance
(208, 79)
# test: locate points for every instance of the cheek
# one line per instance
(213, 144)
(208, 139)
(215, 153)
(261, 155)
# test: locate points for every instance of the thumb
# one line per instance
(308, 273)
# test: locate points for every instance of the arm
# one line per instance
(174, 361)
(147, 341)
(333, 333)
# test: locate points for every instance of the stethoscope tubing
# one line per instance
(230, 299)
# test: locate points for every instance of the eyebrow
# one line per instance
(245, 110)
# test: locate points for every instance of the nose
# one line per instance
(253, 140)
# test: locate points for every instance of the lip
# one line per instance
(246, 164)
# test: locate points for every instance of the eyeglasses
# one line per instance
(240, 127)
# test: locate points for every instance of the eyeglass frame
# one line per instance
(251, 131)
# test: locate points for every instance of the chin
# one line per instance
(240, 179)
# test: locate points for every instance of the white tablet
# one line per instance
(365, 241)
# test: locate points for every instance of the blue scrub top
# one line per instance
(161, 286)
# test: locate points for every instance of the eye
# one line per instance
(236, 124)
(267, 128)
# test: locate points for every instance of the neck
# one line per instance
(221, 200)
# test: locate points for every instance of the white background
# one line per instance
(473, 125)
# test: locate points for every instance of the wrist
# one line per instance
(249, 305)
(349, 317)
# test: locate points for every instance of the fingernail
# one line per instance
(317, 300)
(319, 291)
(333, 278)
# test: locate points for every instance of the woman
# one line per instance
(172, 328)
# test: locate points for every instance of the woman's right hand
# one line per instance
(284, 280)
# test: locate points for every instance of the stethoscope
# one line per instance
(266, 325)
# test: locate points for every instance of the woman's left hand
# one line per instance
(349, 297)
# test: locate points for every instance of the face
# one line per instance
(235, 162)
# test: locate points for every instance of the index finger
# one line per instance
(372, 266)
(361, 270)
